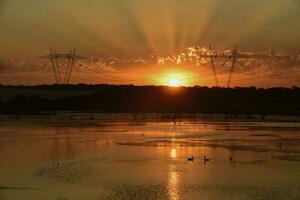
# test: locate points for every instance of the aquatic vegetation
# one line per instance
(289, 157)
(71, 172)
(17, 188)
(138, 191)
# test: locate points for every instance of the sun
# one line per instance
(174, 79)
(174, 83)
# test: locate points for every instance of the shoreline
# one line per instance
(96, 116)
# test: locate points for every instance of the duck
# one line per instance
(205, 159)
(230, 159)
(190, 158)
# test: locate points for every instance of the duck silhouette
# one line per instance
(230, 159)
(205, 159)
(190, 158)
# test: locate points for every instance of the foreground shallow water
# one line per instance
(122, 160)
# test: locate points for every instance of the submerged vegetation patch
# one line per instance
(71, 172)
(249, 192)
(162, 191)
(289, 157)
(17, 188)
(137, 191)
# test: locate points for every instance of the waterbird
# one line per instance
(91, 118)
(205, 159)
(230, 159)
(190, 158)
(174, 118)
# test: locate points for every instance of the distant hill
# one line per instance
(143, 99)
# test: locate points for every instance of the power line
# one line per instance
(214, 67)
(62, 65)
(233, 55)
(234, 58)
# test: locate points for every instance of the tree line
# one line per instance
(156, 99)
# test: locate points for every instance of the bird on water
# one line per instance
(190, 158)
(205, 159)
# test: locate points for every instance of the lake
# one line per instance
(149, 160)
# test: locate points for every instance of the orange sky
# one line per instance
(135, 29)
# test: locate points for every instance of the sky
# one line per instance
(147, 30)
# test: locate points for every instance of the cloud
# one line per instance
(250, 66)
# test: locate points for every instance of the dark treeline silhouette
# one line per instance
(159, 99)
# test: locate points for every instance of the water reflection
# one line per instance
(96, 156)
(173, 177)
(173, 183)
(173, 153)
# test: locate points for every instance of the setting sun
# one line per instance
(174, 79)
(174, 76)
(174, 83)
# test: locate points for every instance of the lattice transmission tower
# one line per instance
(62, 65)
(233, 63)
(233, 56)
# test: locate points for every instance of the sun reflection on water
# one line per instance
(173, 183)
(173, 177)
(173, 153)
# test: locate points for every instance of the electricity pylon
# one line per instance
(62, 65)
(234, 58)
(213, 66)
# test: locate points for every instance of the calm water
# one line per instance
(149, 161)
